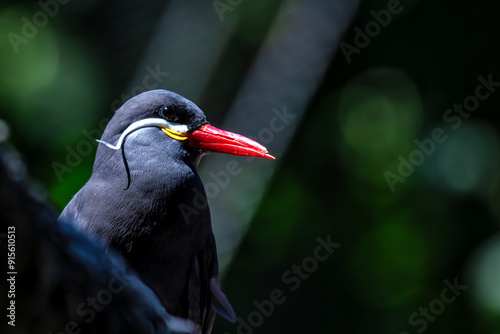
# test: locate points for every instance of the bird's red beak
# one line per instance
(212, 139)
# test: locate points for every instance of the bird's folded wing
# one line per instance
(220, 302)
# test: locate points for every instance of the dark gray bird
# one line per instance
(60, 280)
(146, 200)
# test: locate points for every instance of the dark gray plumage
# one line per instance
(66, 282)
(135, 202)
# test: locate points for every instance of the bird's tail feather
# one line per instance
(220, 302)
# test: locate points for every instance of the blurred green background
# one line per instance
(379, 156)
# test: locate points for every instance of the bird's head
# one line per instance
(179, 119)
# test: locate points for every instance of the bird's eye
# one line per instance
(169, 113)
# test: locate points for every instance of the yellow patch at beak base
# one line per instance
(174, 134)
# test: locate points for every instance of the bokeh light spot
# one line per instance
(35, 63)
(484, 271)
(380, 112)
(389, 263)
(468, 160)
(4, 131)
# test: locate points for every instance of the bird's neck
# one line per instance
(159, 178)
